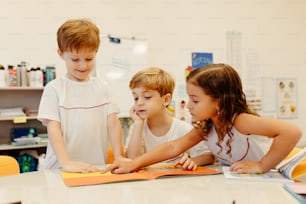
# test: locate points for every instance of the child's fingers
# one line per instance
(190, 165)
(180, 161)
(109, 168)
(89, 169)
(186, 162)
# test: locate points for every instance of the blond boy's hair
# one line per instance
(75, 34)
(155, 79)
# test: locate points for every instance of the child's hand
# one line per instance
(243, 167)
(134, 115)
(120, 167)
(74, 166)
(186, 163)
(124, 159)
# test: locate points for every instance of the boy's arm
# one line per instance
(56, 140)
(115, 134)
(134, 145)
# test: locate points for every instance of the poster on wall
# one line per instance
(201, 59)
(287, 98)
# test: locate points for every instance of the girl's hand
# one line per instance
(82, 167)
(186, 163)
(243, 167)
(120, 167)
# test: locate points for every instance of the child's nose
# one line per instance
(82, 65)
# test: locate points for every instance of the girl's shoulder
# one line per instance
(244, 116)
(243, 121)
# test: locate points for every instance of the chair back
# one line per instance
(8, 166)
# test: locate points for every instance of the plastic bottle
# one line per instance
(12, 76)
(2, 76)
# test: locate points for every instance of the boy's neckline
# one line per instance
(78, 82)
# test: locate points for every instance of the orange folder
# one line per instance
(149, 173)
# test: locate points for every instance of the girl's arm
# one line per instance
(285, 136)
(56, 140)
(205, 158)
(160, 153)
(115, 134)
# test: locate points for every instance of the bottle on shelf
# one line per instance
(2, 76)
(36, 77)
(23, 74)
(49, 74)
(12, 76)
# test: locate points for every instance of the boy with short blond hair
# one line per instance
(152, 89)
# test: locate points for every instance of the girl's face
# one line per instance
(148, 102)
(201, 105)
(79, 64)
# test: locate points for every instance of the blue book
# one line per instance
(270, 176)
(290, 169)
(294, 166)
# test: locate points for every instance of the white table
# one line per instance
(48, 187)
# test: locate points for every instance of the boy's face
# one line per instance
(79, 64)
(148, 102)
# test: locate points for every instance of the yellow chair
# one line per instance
(8, 166)
(110, 154)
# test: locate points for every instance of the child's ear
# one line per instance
(60, 53)
(167, 98)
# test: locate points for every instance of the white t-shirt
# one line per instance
(82, 109)
(178, 129)
(243, 147)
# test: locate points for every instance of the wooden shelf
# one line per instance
(12, 118)
(29, 99)
(18, 88)
(15, 147)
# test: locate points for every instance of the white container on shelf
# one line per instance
(2, 77)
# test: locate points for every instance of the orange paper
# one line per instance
(82, 179)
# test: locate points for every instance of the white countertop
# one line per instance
(48, 187)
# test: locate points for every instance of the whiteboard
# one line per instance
(116, 64)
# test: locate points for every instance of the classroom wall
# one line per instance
(273, 33)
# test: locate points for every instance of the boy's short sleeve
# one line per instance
(49, 105)
(113, 108)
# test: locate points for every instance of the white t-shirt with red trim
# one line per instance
(82, 109)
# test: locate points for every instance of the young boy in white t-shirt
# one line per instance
(152, 89)
(77, 109)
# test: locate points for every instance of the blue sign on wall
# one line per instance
(201, 59)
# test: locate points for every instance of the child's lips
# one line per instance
(141, 111)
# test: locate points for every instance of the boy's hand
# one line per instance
(244, 167)
(186, 163)
(82, 167)
(134, 115)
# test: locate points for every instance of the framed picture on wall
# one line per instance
(287, 98)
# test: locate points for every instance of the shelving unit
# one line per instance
(25, 97)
